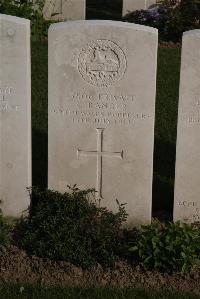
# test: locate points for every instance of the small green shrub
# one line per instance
(26, 9)
(171, 18)
(167, 247)
(71, 227)
(5, 237)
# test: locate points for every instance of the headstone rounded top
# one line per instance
(102, 83)
(14, 19)
(87, 23)
(191, 32)
(187, 172)
(15, 114)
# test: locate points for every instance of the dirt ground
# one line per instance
(17, 267)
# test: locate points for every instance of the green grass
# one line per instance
(11, 291)
(165, 127)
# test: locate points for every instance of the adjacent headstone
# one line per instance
(52, 9)
(36, 4)
(187, 180)
(64, 10)
(102, 83)
(15, 114)
(132, 5)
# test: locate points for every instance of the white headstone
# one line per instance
(132, 5)
(15, 114)
(64, 10)
(187, 180)
(102, 82)
(52, 9)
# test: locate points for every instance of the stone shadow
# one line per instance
(104, 9)
(39, 158)
(163, 179)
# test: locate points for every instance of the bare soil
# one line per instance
(17, 267)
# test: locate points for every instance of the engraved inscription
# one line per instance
(187, 203)
(104, 97)
(192, 116)
(102, 63)
(99, 154)
(114, 118)
(191, 119)
(101, 109)
(6, 94)
(193, 211)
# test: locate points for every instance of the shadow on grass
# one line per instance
(163, 179)
(39, 113)
(39, 158)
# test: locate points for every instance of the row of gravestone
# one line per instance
(75, 9)
(102, 86)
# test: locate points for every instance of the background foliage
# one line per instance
(26, 9)
(171, 18)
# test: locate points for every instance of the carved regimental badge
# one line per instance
(102, 63)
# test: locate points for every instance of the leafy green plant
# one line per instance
(26, 9)
(71, 227)
(167, 247)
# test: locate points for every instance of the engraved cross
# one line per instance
(99, 153)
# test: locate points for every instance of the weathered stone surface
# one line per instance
(15, 114)
(132, 5)
(187, 181)
(52, 9)
(102, 82)
(64, 10)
